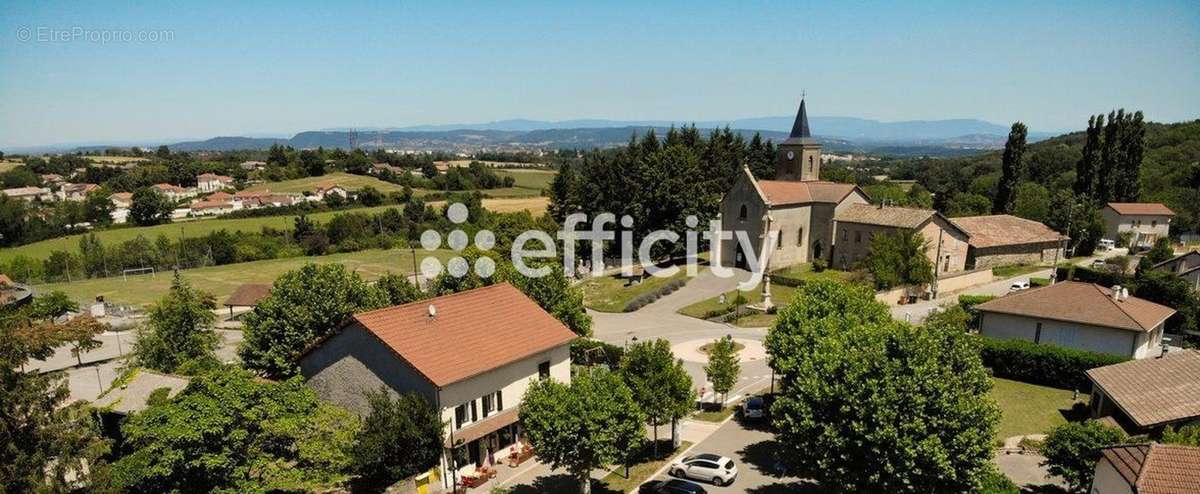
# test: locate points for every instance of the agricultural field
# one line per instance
(116, 160)
(42, 250)
(309, 184)
(7, 165)
(534, 179)
(221, 281)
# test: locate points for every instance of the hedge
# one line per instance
(1089, 275)
(582, 352)
(968, 303)
(646, 298)
(1047, 365)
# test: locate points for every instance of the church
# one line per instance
(798, 205)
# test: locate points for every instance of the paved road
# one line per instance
(756, 454)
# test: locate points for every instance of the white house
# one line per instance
(327, 188)
(1083, 316)
(471, 354)
(1186, 266)
(30, 193)
(121, 200)
(1147, 469)
(174, 192)
(211, 182)
(1146, 222)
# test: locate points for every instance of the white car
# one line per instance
(1019, 285)
(1098, 263)
(706, 466)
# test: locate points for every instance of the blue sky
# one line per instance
(235, 68)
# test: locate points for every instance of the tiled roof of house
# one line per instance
(248, 295)
(1195, 254)
(26, 191)
(869, 214)
(220, 196)
(1141, 208)
(167, 187)
(1157, 468)
(198, 205)
(472, 332)
(122, 196)
(783, 192)
(1084, 303)
(245, 194)
(1153, 391)
(1004, 229)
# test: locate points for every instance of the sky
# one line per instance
(174, 70)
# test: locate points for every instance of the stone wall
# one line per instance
(1011, 255)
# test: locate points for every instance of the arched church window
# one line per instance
(742, 213)
(810, 163)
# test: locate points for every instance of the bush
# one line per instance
(583, 352)
(968, 303)
(1033, 282)
(1047, 365)
(649, 297)
(819, 265)
(1089, 275)
(1072, 450)
(996, 482)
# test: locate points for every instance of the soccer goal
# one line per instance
(136, 271)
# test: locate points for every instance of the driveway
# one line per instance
(756, 453)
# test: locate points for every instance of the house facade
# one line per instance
(29, 194)
(1147, 469)
(1083, 316)
(75, 192)
(855, 226)
(1186, 266)
(1007, 240)
(211, 182)
(797, 207)
(471, 354)
(1146, 222)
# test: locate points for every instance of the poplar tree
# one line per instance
(1086, 168)
(1012, 167)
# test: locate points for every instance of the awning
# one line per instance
(483, 427)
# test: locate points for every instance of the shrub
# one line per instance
(996, 482)
(819, 265)
(968, 303)
(583, 352)
(1072, 450)
(158, 396)
(1039, 282)
(1089, 275)
(1048, 365)
(649, 297)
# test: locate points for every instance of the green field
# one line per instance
(309, 184)
(1029, 408)
(194, 228)
(221, 281)
(529, 179)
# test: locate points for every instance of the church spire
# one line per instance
(800, 127)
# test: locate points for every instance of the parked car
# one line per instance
(1019, 285)
(1106, 244)
(673, 486)
(1098, 263)
(754, 408)
(707, 467)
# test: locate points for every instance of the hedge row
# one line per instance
(968, 303)
(583, 352)
(1047, 365)
(1089, 275)
(646, 298)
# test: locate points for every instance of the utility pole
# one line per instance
(937, 263)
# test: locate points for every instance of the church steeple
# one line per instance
(799, 157)
(800, 127)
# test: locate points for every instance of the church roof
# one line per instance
(800, 126)
(783, 192)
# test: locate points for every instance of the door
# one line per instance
(703, 470)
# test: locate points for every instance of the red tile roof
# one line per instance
(472, 333)
(783, 192)
(1153, 391)
(1141, 208)
(1004, 229)
(1084, 303)
(1157, 468)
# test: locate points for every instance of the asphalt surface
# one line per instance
(756, 454)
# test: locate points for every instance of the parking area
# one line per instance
(756, 454)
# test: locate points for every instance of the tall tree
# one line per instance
(1132, 144)
(1111, 158)
(587, 424)
(1090, 160)
(564, 193)
(305, 304)
(149, 207)
(660, 385)
(178, 330)
(869, 404)
(1012, 168)
(723, 367)
(899, 259)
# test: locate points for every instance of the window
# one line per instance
(810, 164)
(544, 370)
(499, 399)
(800, 236)
(947, 265)
(1037, 336)
(779, 240)
(465, 414)
(1153, 223)
(857, 237)
(845, 234)
(488, 405)
(742, 213)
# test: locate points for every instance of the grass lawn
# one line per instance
(780, 295)
(643, 468)
(1029, 408)
(221, 281)
(1010, 271)
(530, 179)
(609, 293)
(737, 347)
(717, 416)
(805, 272)
(195, 228)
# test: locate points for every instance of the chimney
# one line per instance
(432, 312)
(1124, 293)
(1116, 293)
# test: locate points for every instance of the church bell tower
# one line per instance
(799, 157)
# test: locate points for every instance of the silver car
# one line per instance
(707, 467)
